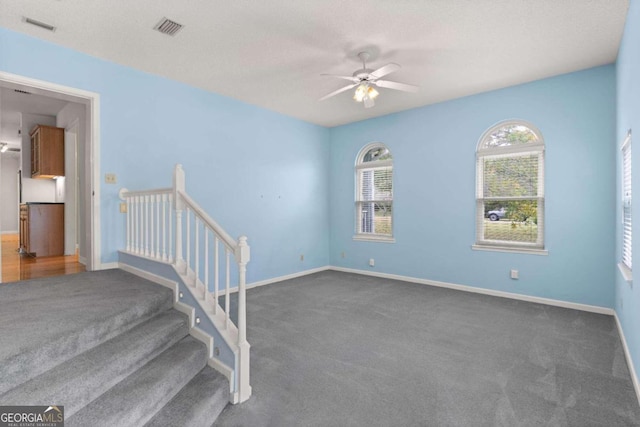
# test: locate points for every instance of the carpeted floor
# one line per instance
(108, 347)
(337, 349)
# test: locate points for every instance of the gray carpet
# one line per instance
(44, 322)
(336, 349)
(109, 348)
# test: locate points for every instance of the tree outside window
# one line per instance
(510, 187)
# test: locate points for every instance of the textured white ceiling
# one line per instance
(271, 53)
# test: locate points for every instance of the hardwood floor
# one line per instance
(17, 266)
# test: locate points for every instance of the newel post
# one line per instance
(121, 195)
(243, 255)
(178, 190)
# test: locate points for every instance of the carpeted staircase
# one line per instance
(109, 347)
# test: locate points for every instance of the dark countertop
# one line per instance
(43, 203)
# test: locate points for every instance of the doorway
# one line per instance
(78, 190)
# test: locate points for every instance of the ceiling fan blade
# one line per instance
(350, 78)
(383, 71)
(368, 102)
(339, 91)
(397, 86)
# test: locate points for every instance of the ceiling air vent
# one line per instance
(39, 24)
(167, 26)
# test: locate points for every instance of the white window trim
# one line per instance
(625, 269)
(537, 248)
(510, 249)
(626, 272)
(371, 237)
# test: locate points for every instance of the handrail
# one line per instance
(159, 227)
(215, 227)
(126, 193)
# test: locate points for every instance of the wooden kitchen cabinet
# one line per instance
(42, 228)
(47, 152)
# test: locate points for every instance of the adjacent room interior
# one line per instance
(422, 216)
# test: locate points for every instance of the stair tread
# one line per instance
(198, 404)
(44, 322)
(136, 399)
(78, 381)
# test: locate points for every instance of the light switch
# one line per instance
(110, 178)
(123, 207)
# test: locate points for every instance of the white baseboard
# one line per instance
(82, 260)
(10, 232)
(285, 277)
(627, 356)
(109, 265)
(465, 288)
(547, 301)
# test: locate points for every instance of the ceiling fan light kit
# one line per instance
(364, 79)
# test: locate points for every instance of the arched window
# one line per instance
(510, 188)
(374, 193)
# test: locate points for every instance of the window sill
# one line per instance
(510, 249)
(374, 238)
(626, 272)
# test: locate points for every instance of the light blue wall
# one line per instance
(434, 189)
(268, 176)
(256, 172)
(627, 299)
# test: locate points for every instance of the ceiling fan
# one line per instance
(366, 78)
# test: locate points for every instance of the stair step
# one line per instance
(136, 399)
(198, 404)
(78, 381)
(64, 316)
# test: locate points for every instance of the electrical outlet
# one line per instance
(110, 178)
(514, 274)
(123, 207)
(372, 262)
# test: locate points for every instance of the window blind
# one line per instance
(374, 200)
(510, 187)
(626, 204)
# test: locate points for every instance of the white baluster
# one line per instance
(158, 206)
(134, 229)
(139, 225)
(128, 224)
(170, 208)
(163, 203)
(188, 240)
(179, 261)
(196, 251)
(146, 225)
(151, 226)
(133, 224)
(205, 293)
(226, 290)
(216, 273)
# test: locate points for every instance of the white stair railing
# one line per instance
(155, 220)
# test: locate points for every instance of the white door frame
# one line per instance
(92, 154)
